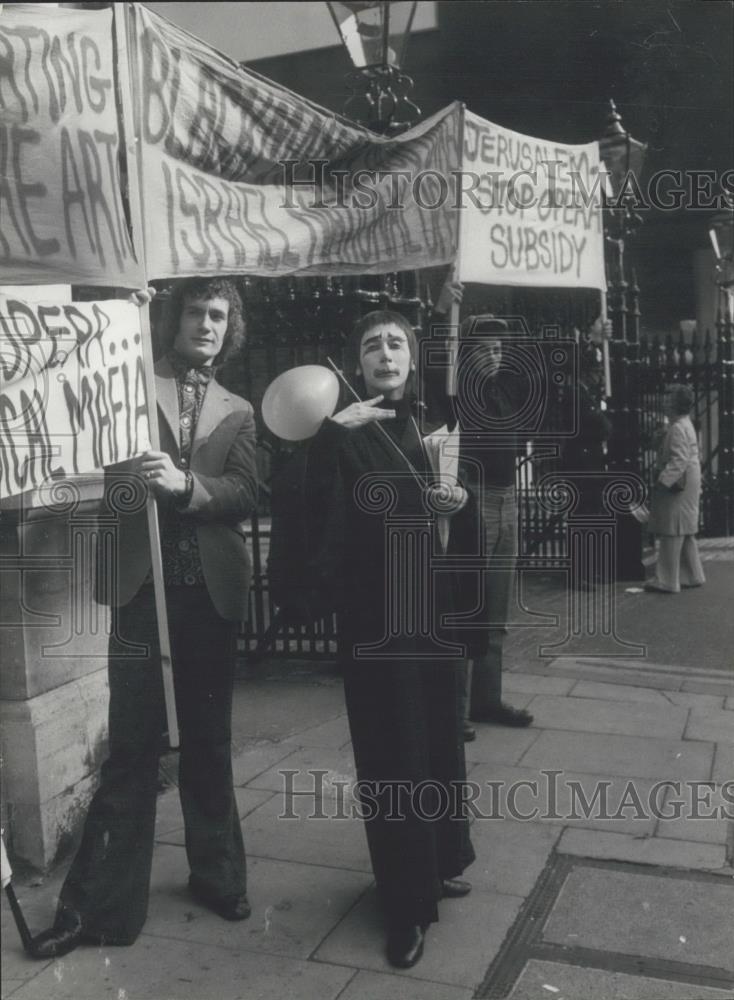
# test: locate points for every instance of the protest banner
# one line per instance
(243, 176)
(74, 396)
(60, 187)
(531, 210)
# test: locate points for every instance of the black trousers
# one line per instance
(404, 718)
(109, 880)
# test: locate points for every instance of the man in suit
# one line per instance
(205, 483)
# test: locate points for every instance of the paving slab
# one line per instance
(250, 761)
(598, 715)
(711, 724)
(633, 674)
(510, 856)
(687, 700)
(570, 982)
(38, 902)
(459, 948)
(339, 764)
(620, 692)
(706, 814)
(519, 683)
(723, 769)
(141, 972)
(263, 705)
(661, 667)
(678, 919)
(569, 798)
(382, 986)
(499, 744)
(17, 968)
(169, 819)
(633, 756)
(699, 686)
(339, 843)
(647, 851)
(334, 733)
(294, 906)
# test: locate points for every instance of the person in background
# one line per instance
(675, 500)
(205, 482)
(489, 397)
(489, 474)
(491, 394)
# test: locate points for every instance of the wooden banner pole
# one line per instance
(125, 41)
(455, 311)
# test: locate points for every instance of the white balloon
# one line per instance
(296, 403)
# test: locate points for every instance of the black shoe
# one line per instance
(469, 733)
(227, 907)
(405, 945)
(454, 888)
(504, 715)
(60, 939)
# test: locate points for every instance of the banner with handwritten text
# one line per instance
(531, 210)
(73, 395)
(60, 201)
(243, 176)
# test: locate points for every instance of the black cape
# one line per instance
(371, 534)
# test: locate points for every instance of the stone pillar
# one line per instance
(53, 686)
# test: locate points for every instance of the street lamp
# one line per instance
(375, 35)
(623, 158)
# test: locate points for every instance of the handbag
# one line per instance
(680, 484)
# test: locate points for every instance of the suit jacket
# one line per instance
(225, 493)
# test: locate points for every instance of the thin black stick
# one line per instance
(380, 428)
(25, 934)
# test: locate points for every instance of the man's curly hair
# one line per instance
(205, 288)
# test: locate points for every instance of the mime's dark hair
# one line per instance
(378, 317)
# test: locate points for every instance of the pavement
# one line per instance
(605, 851)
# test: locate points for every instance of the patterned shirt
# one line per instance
(179, 544)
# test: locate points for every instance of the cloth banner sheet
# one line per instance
(531, 210)
(221, 145)
(60, 201)
(74, 395)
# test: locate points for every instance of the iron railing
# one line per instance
(304, 321)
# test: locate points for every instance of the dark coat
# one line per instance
(403, 694)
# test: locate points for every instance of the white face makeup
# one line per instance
(384, 361)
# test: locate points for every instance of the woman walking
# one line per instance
(674, 514)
